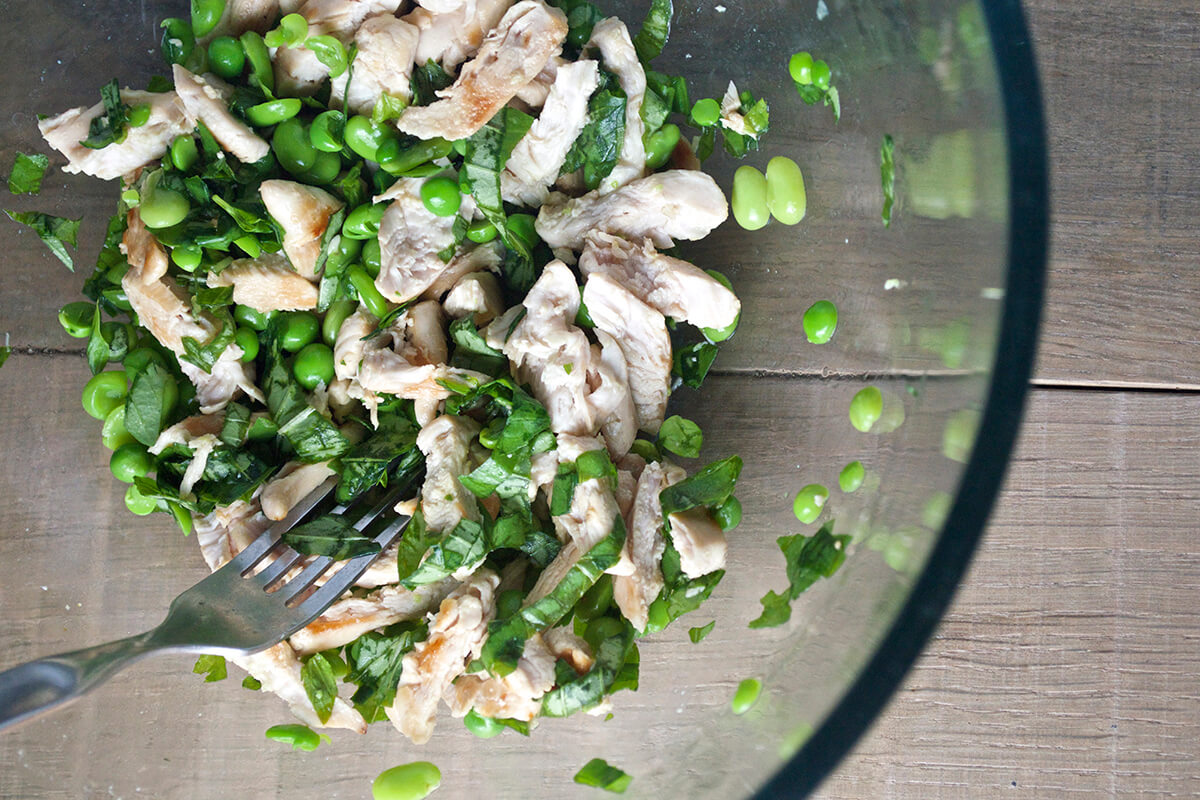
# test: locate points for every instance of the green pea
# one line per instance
(441, 196)
(481, 231)
(138, 116)
(658, 616)
(334, 317)
(130, 197)
(800, 68)
(187, 256)
(364, 137)
(247, 340)
(138, 503)
(325, 171)
(299, 329)
(226, 57)
(821, 75)
(481, 726)
(820, 321)
(660, 145)
(247, 317)
(259, 57)
(596, 600)
(363, 222)
(522, 228)
(746, 695)
(205, 16)
(750, 198)
(291, 31)
(851, 477)
(327, 131)
(76, 319)
(314, 366)
(786, 198)
(729, 514)
(300, 737)
(706, 112)
(866, 407)
(113, 433)
(509, 602)
(372, 257)
(809, 502)
(292, 148)
(178, 42)
(935, 510)
(130, 461)
(273, 112)
(184, 153)
(601, 629)
(160, 207)
(137, 359)
(408, 782)
(958, 437)
(397, 160)
(375, 302)
(104, 392)
(712, 334)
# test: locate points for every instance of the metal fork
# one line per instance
(239, 609)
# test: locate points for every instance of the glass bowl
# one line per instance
(939, 312)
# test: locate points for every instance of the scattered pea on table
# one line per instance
(820, 322)
(786, 198)
(407, 782)
(750, 198)
(866, 407)
(809, 502)
(746, 695)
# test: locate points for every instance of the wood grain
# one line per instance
(1068, 664)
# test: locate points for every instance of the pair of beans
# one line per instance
(780, 193)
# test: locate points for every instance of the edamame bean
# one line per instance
(113, 433)
(330, 52)
(363, 222)
(226, 57)
(104, 392)
(481, 231)
(821, 74)
(161, 207)
(184, 153)
(178, 42)
(800, 68)
(866, 408)
(750, 198)
(291, 31)
(441, 196)
(481, 726)
(408, 782)
(820, 321)
(596, 600)
(850, 479)
(291, 146)
(273, 112)
(325, 171)
(187, 256)
(299, 328)
(372, 257)
(658, 616)
(205, 16)
(248, 317)
(706, 112)
(313, 366)
(76, 319)
(130, 461)
(396, 160)
(138, 116)
(729, 514)
(364, 137)
(259, 58)
(137, 359)
(327, 132)
(809, 502)
(508, 603)
(375, 302)
(660, 146)
(247, 340)
(712, 334)
(786, 199)
(746, 695)
(334, 317)
(138, 503)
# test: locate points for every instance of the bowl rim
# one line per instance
(1028, 206)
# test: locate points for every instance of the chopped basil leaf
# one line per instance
(387, 320)
(691, 364)
(584, 691)
(697, 635)
(887, 176)
(98, 348)
(110, 125)
(680, 594)
(5, 352)
(462, 548)
(252, 683)
(312, 436)
(487, 152)
(757, 116)
(601, 774)
(366, 464)
(471, 350)
(377, 660)
(146, 409)
(55, 232)
(427, 79)
(809, 558)
(320, 685)
(211, 667)
(656, 28)
(681, 437)
(416, 540)
(251, 217)
(330, 536)
(672, 89)
(387, 107)
(27, 173)
(711, 487)
(236, 426)
(598, 147)
(230, 475)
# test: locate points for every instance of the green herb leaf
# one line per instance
(110, 126)
(55, 232)
(600, 774)
(211, 667)
(377, 662)
(681, 595)
(312, 436)
(251, 217)
(471, 350)
(427, 79)
(231, 474)
(5, 352)
(146, 409)
(809, 558)
(697, 635)
(98, 349)
(27, 173)
(598, 147)
(462, 548)
(366, 464)
(691, 364)
(387, 107)
(681, 437)
(887, 176)
(487, 151)
(330, 536)
(584, 691)
(205, 356)
(252, 683)
(320, 685)
(656, 28)
(711, 486)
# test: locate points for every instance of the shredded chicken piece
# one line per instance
(537, 159)
(570, 648)
(206, 100)
(278, 669)
(645, 544)
(511, 56)
(515, 696)
(590, 518)
(226, 531)
(676, 288)
(351, 617)
(446, 443)
(142, 145)
(240, 16)
(699, 540)
(410, 238)
(297, 70)
(678, 204)
(303, 212)
(611, 398)
(476, 296)
(291, 485)
(486, 257)
(533, 95)
(452, 37)
(382, 65)
(186, 430)
(267, 283)
(641, 333)
(612, 38)
(425, 334)
(456, 635)
(442, 6)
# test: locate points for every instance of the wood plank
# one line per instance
(1067, 665)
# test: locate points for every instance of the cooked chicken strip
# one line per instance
(297, 70)
(641, 333)
(186, 430)
(206, 99)
(382, 65)
(291, 485)
(351, 617)
(535, 93)
(226, 531)
(410, 237)
(425, 334)
(267, 283)
(699, 540)
(142, 145)
(278, 669)
(537, 159)
(349, 346)
(676, 288)
(611, 399)
(240, 16)
(476, 296)
(634, 593)
(303, 212)
(679, 204)
(570, 648)
(511, 56)
(452, 37)
(516, 695)
(442, 6)
(487, 257)
(612, 38)
(446, 443)
(385, 372)
(456, 635)
(589, 520)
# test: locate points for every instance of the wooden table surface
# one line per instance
(1069, 664)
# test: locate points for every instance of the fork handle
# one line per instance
(35, 687)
